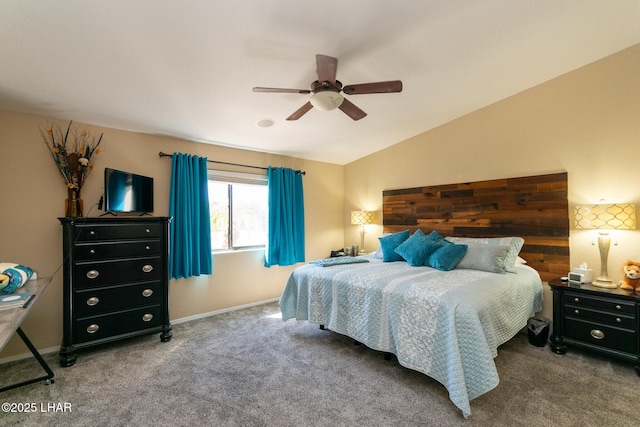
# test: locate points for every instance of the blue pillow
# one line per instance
(390, 243)
(436, 237)
(447, 256)
(417, 248)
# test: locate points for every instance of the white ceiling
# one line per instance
(186, 68)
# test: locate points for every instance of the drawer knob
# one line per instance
(147, 268)
(147, 317)
(92, 274)
(618, 320)
(597, 334)
(147, 230)
(92, 233)
(576, 299)
(147, 293)
(147, 247)
(92, 251)
(618, 307)
(576, 311)
(92, 329)
(93, 301)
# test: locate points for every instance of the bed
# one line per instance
(444, 316)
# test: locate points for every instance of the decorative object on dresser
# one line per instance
(116, 281)
(597, 319)
(604, 218)
(631, 276)
(73, 152)
(362, 218)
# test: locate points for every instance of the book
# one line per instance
(18, 299)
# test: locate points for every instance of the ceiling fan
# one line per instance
(326, 91)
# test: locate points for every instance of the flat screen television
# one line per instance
(127, 192)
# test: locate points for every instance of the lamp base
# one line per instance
(604, 284)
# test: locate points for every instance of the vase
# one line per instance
(73, 204)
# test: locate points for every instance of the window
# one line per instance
(238, 205)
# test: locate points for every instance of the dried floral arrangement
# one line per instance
(73, 151)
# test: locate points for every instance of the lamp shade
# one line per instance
(326, 100)
(362, 217)
(611, 216)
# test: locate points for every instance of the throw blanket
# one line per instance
(342, 260)
(447, 325)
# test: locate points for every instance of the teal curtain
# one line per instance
(285, 245)
(190, 245)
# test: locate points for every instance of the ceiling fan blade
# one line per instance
(278, 90)
(377, 87)
(300, 111)
(327, 67)
(351, 110)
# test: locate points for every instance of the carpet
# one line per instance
(250, 368)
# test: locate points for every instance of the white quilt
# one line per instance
(447, 325)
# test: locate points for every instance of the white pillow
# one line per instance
(514, 243)
(485, 258)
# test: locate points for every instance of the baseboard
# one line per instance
(221, 311)
(173, 322)
(28, 355)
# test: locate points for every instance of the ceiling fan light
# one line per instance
(326, 100)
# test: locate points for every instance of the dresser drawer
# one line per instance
(608, 318)
(106, 250)
(601, 335)
(102, 273)
(92, 232)
(98, 327)
(599, 302)
(89, 302)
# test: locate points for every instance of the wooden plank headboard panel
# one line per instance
(534, 208)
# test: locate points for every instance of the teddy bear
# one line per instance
(631, 279)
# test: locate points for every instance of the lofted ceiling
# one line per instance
(186, 68)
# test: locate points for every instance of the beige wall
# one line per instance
(33, 198)
(586, 122)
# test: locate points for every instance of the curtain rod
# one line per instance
(161, 154)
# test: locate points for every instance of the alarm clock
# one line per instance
(581, 275)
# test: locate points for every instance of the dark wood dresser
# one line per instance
(606, 321)
(116, 281)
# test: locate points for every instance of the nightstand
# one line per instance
(602, 320)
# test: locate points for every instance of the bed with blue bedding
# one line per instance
(445, 324)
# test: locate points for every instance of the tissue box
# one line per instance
(581, 275)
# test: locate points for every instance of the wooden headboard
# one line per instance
(534, 208)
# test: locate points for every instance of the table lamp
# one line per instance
(362, 218)
(604, 218)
